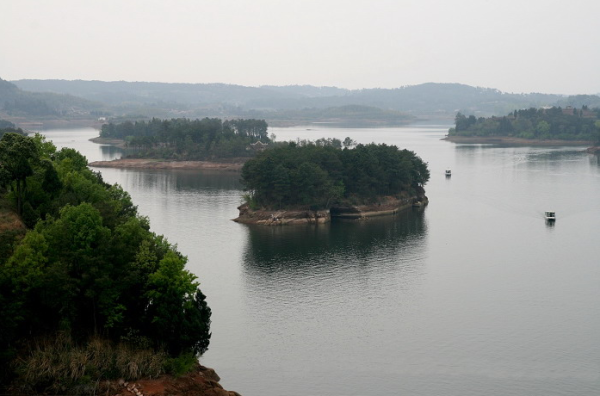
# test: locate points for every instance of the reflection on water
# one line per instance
(348, 284)
(323, 263)
(176, 181)
(112, 152)
(338, 244)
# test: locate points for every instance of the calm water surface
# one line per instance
(475, 295)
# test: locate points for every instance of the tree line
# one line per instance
(185, 139)
(546, 123)
(321, 174)
(87, 270)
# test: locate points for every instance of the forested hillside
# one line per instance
(282, 105)
(225, 100)
(15, 102)
(88, 293)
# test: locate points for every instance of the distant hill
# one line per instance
(285, 105)
(348, 115)
(15, 102)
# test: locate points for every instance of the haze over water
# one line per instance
(474, 295)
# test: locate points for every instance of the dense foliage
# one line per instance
(88, 266)
(321, 174)
(185, 139)
(553, 123)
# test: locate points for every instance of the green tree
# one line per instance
(18, 154)
(281, 184)
(543, 129)
(176, 307)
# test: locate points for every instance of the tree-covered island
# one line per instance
(87, 292)
(183, 139)
(535, 125)
(307, 182)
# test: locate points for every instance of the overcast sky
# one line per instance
(512, 45)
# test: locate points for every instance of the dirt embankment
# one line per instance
(203, 381)
(139, 163)
(515, 141)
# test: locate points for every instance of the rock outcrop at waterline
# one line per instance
(281, 217)
(384, 206)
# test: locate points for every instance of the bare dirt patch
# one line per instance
(140, 163)
(201, 382)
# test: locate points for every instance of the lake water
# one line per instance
(474, 295)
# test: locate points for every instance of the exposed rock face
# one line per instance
(385, 206)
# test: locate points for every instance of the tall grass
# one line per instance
(61, 365)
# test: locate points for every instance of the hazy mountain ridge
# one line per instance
(17, 102)
(297, 102)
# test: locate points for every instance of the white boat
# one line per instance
(550, 216)
(448, 172)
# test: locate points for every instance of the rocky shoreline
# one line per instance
(385, 207)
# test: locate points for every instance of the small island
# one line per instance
(310, 182)
(181, 143)
(545, 126)
(182, 139)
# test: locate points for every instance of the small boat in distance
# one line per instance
(448, 173)
(550, 216)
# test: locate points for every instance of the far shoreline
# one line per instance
(515, 141)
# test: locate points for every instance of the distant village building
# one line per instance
(258, 146)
